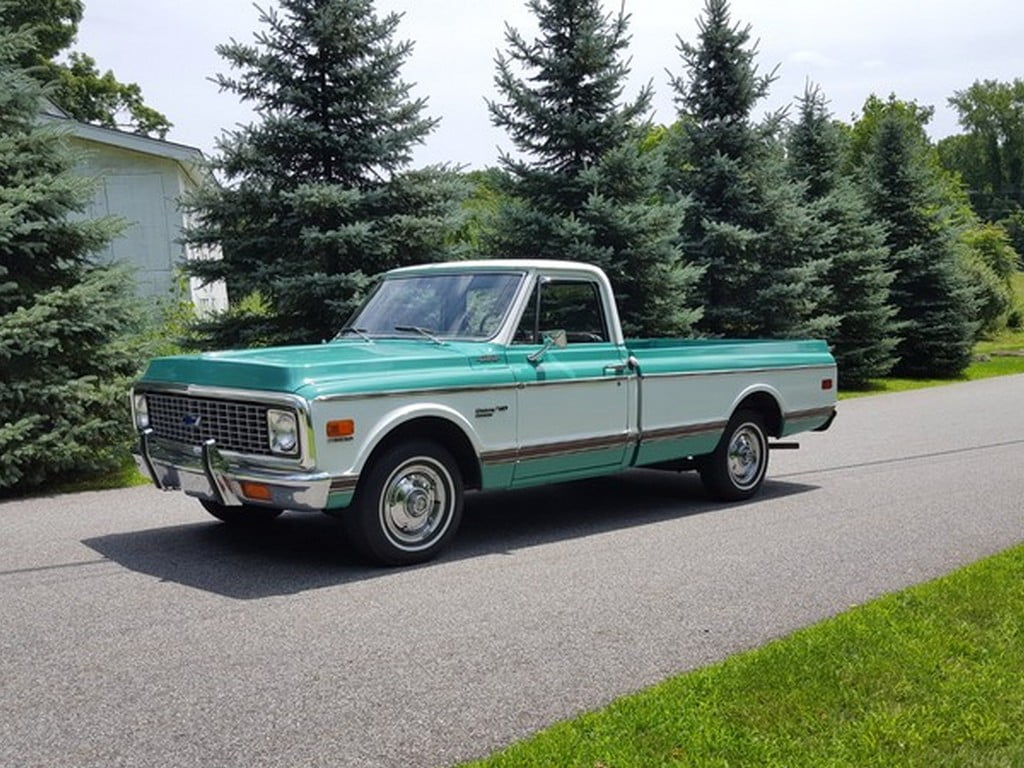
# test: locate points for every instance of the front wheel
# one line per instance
(736, 468)
(247, 514)
(408, 506)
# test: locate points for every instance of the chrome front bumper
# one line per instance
(206, 473)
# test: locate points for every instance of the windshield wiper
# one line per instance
(360, 332)
(421, 331)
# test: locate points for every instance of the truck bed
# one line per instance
(708, 355)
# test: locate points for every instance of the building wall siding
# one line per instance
(143, 190)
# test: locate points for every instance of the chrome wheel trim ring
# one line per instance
(416, 504)
(745, 457)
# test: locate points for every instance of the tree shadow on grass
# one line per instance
(299, 552)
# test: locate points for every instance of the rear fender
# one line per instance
(766, 400)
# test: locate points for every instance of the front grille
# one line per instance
(236, 426)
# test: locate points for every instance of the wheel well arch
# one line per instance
(765, 404)
(445, 433)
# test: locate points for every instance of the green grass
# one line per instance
(1002, 355)
(124, 477)
(931, 676)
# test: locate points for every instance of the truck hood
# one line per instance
(341, 367)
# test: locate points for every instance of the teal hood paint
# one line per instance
(350, 366)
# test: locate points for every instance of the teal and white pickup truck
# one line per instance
(468, 375)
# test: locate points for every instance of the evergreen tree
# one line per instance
(317, 198)
(581, 188)
(65, 358)
(747, 223)
(935, 304)
(859, 278)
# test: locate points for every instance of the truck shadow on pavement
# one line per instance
(299, 552)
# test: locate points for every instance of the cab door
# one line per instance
(572, 397)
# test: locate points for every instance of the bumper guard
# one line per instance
(206, 473)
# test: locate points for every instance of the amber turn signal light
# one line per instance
(340, 429)
(257, 491)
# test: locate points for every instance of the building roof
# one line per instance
(189, 158)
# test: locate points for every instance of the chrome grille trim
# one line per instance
(236, 426)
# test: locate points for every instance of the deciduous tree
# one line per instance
(991, 263)
(990, 154)
(75, 82)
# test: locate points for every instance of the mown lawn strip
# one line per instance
(931, 676)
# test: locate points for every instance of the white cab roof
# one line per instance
(503, 265)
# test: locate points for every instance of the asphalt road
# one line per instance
(136, 631)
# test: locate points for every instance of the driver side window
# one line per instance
(573, 306)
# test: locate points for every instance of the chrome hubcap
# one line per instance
(415, 507)
(746, 455)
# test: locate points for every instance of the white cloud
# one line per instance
(850, 48)
(813, 58)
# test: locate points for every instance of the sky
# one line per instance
(922, 51)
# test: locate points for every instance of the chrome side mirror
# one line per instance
(551, 339)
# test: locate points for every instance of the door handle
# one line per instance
(615, 368)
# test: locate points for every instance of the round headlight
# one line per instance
(282, 431)
(141, 411)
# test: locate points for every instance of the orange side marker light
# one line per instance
(340, 429)
(257, 491)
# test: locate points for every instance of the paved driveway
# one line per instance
(137, 631)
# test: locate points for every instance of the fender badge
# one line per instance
(486, 413)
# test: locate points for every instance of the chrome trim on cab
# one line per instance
(810, 413)
(470, 388)
(344, 484)
(737, 371)
(675, 433)
(552, 450)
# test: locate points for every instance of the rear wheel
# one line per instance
(408, 505)
(247, 514)
(738, 465)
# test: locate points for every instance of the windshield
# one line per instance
(455, 306)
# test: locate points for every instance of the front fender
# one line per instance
(395, 419)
